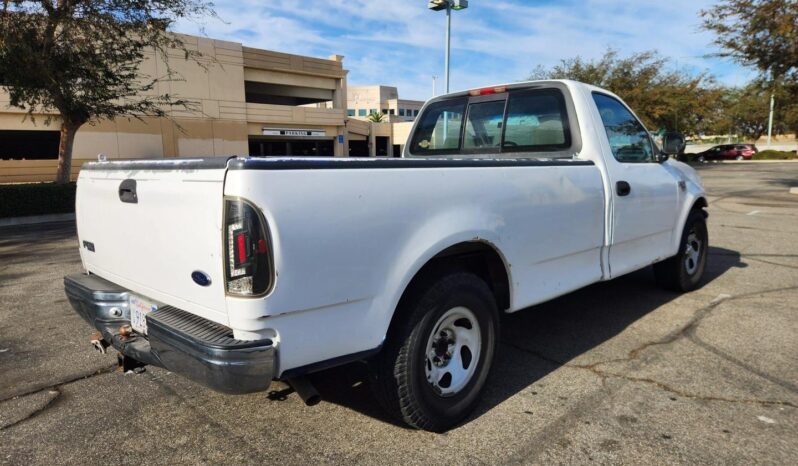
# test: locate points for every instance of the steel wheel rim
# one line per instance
(692, 253)
(452, 352)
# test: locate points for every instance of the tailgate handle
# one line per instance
(127, 192)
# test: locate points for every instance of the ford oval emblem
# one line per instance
(200, 278)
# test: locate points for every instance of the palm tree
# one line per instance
(376, 117)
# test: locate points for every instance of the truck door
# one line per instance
(644, 194)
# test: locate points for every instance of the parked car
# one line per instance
(234, 271)
(728, 152)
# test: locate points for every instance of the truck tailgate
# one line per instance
(154, 243)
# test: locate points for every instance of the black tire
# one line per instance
(680, 273)
(399, 377)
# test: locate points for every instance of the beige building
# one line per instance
(387, 138)
(365, 100)
(246, 102)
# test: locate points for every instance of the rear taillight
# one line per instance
(248, 260)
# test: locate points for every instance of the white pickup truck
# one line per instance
(236, 271)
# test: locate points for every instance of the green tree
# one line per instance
(757, 33)
(762, 34)
(81, 58)
(744, 111)
(376, 117)
(661, 96)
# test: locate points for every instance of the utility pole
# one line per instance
(434, 79)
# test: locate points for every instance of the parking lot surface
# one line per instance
(620, 372)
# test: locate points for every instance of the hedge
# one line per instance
(775, 155)
(19, 200)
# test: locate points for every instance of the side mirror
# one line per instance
(661, 157)
(673, 143)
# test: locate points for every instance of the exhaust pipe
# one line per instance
(98, 342)
(305, 390)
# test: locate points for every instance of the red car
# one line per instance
(728, 152)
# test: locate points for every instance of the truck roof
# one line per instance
(569, 83)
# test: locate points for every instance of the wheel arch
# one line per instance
(478, 256)
(700, 203)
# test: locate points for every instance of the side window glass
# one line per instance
(484, 126)
(536, 121)
(438, 132)
(628, 139)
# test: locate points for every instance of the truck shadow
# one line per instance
(539, 340)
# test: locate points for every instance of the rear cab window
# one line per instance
(520, 123)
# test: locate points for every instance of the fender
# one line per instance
(439, 233)
(693, 194)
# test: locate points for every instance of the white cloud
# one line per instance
(401, 42)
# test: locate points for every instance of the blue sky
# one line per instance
(400, 42)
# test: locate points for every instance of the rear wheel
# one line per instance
(438, 355)
(684, 271)
(739, 157)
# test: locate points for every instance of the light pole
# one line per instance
(770, 118)
(448, 5)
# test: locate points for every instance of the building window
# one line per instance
(29, 145)
(384, 111)
(391, 111)
(373, 110)
(361, 112)
(350, 112)
(415, 112)
(401, 112)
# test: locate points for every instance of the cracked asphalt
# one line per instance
(620, 372)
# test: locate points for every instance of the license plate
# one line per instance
(139, 308)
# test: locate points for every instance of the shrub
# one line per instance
(775, 155)
(19, 200)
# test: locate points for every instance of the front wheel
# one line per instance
(439, 353)
(684, 271)
(739, 157)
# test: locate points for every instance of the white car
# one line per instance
(235, 271)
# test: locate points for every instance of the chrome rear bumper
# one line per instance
(176, 340)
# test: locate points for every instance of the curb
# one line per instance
(34, 219)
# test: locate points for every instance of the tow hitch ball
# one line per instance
(126, 364)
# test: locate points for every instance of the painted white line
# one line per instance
(766, 420)
(753, 212)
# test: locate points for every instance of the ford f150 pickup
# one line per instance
(236, 271)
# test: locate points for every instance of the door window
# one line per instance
(628, 139)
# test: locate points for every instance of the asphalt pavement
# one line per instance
(620, 372)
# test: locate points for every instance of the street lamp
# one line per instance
(448, 5)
